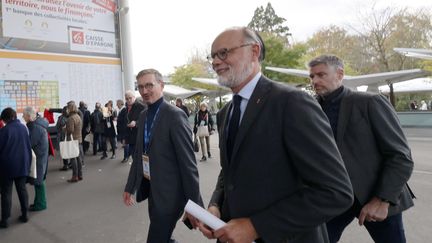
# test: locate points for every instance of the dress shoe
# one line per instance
(203, 159)
(209, 155)
(4, 224)
(64, 168)
(23, 219)
(73, 179)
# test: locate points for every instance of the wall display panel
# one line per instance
(50, 81)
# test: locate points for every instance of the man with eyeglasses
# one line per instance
(164, 168)
(282, 176)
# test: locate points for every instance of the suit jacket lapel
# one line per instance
(223, 131)
(253, 108)
(344, 114)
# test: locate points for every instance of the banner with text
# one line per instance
(48, 20)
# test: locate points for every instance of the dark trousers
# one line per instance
(388, 231)
(131, 149)
(126, 151)
(77, 164)
(6, 195)
(85, 144)
(97, 142)
(161, 224)
(112, 141)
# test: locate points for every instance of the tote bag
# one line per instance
(203, 131)
(33, 172)
(69, 149)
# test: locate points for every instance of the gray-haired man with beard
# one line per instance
(282, 176)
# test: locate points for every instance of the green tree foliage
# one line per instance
(386, 29)
(279, 55)
(335, 40)
(368, 48)
(278, 51)
(197, 66)
(266, 20)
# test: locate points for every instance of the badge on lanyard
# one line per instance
(146, 166)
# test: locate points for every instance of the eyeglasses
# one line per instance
(222, 54)
(147, 86)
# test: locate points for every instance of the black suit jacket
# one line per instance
(173, 169)
(374, 149)
(286, 173)
(133, 115)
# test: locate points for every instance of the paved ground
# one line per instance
(92, 210)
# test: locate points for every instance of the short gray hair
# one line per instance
(251, 36)
(329, 60)
(130, 93)
(156, 73)
(31, 112)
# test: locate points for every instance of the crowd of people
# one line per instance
(423, 106)
(291, 170)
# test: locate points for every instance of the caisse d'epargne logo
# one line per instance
(77, 37)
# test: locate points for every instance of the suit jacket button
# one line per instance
(230, 187)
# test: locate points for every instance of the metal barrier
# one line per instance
(415, 119)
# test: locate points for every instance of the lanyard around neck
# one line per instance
(147, 133)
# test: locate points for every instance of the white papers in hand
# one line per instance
(203, 215)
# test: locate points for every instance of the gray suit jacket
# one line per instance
(374, 149)
(173, 169)
(286, 173)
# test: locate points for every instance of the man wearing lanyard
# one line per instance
(164, 167)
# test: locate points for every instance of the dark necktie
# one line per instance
(233, 125)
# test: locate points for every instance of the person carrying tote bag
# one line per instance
(73, 131)
(69, 149)
(203, 128)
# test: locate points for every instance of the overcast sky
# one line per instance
(166, 33)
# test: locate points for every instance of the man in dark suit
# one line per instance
(164, 168)
(282, 176)
(134, 109)
(374, 149)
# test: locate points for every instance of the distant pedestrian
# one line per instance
(122, 129)
(179, 104)
(203, 118)
(61, 133)
(39, 142)
(134, 109)
(73, 128)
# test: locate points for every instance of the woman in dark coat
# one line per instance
(61, 133)
(15, 160)
(109, 133)
(39, 142)
(204, 118)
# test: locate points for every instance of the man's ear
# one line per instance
(340, 73)
(256, 51)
